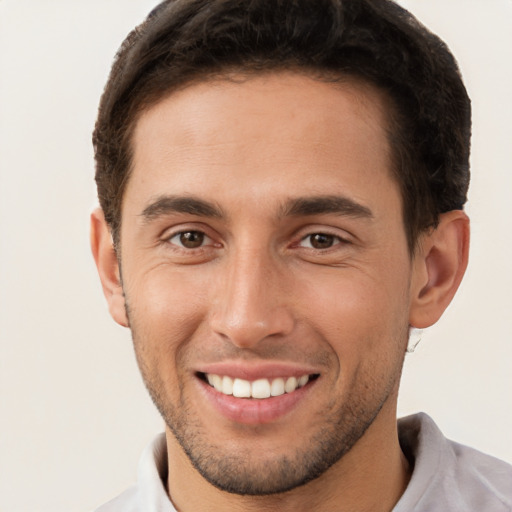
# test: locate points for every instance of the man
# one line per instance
(282, 188)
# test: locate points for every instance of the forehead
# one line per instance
(266, 134)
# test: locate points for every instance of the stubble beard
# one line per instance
(246, 473)
(239, 473)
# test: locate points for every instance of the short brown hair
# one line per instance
(184, 41)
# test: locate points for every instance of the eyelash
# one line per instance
(334, 240)
(180, 245)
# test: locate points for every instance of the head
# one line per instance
(283, 183)
(185, 42)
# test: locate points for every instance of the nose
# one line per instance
(251, 303)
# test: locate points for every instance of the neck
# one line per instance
(370, 477)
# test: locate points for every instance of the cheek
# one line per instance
(164, 298)
(366, 331)
(361, 316)
(165, 313)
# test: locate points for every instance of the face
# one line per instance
(266, 274)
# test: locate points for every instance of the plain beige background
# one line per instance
(74, 414)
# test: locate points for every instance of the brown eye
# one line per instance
(190, 239)
(319, 241)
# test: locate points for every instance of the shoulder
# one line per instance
(125, 502)
(449, 476)
(148, 494)
(483, 477)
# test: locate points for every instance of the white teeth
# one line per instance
(261, 388)
(241, 388)
(290, 384)
(303, 380)
(227, 385)
(217, 382)
(277, 387)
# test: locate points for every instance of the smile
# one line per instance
(259, 389)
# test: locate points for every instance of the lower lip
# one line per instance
(254, 411)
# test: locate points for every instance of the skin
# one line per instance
(256, 291)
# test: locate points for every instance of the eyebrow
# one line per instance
(319, 205)
(296, 207)
(165, 205)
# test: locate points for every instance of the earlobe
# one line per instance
(108, 267)
(439, 265)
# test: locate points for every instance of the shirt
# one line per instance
(446, 477)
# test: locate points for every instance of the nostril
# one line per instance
(246, 331)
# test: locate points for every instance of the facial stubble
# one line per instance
(244, 472)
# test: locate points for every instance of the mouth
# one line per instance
(258, 389)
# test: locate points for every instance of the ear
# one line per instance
(108, 266)
(438, 267)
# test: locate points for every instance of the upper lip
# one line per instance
(255, 371)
